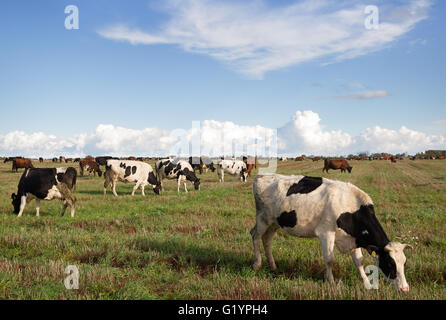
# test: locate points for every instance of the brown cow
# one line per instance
(316, 159)
(251, 164)
(393, 159)
(336, 165)
(90, 166)
(132, 158)
(68, 160)
(299, 159)
(21, 163)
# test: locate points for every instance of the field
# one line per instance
(198, 246)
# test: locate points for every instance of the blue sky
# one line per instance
(67, 82)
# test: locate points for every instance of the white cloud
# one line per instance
(368, 95)
(303, 134)
(253, 38)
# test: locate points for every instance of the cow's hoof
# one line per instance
(256, 266)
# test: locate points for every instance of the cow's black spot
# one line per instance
(364, 227)
(168, 168)
(122, 165)
(287, 219)
(305, 185)
(133, 169)
(127, 172)
(60, 177)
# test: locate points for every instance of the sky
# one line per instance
(305, 76)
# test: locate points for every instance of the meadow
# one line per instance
(197, 245)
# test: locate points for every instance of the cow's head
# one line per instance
(197, 184)
(349, 169)
(16, 202)
(157, 187)
(99, 172)
(391, 261)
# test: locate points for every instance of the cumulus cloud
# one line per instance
(303, 134)
(368, 95)
(254, 38)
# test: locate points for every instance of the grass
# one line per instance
(198, 246)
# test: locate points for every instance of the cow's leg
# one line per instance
(142, 190)
(358, 259)
(257, 233)
(135, 188)
(37, 207)
(114, 188)
(327, 240)
(267, 244)
(185, 184)
(22, 205)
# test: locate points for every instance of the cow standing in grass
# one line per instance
(45, 184)
(137, 172)
(333, 211)
(233, 167)
(179, 170)
(19, 163)
(339, 164)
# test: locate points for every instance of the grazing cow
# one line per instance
(55, 160)
(335, 212)
(45, 184)
(90, 166)
(336, 165)
(21, 163)
(40, 159)
(68, 160)
(315, 159)
(77, 159)
(102, 161)
(283, 159)
(132, 158)
(237, 168)
(299, 159)
(392, 159)
(201, 163)
(137, 172)
(176, 169)
(441, 158)
(61, 159)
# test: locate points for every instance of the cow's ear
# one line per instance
(371, 249)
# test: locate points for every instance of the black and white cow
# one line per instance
(176, 169)
(333, 211)
(201, 163)
(234, 167)
(45, 184)
(137, 172)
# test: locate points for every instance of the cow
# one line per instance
(68, 160)
(45, 184)
(299, 159)
(40, 159)
(316, 159)
(61, 159)
(283, 159)
(201, 163)
(18, 163)
(176, 169)
(336, 212)
(90, 166)
(77, 159)
(54, 160)
(251, 164)
(392, 159)
(336, 165)
(132, 158)
(137, 172)
(237, 168)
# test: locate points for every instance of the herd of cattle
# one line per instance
(335, 212)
